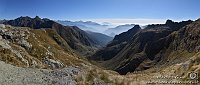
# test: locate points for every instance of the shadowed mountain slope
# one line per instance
(101, 38)
(141, 50)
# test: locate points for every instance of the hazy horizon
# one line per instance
(116, 21)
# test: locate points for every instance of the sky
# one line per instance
(113, 11)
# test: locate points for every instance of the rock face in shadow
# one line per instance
(77, 39)
(101, 38)
(145, 48)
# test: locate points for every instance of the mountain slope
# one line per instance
(116, 45)
(75, 37)
(101, 38)
(119, 29)
(22, 46)
(42, 56)
(143, 50)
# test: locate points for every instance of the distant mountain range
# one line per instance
(119, 29)
(87, 26)
(105, 28)
(1, 21)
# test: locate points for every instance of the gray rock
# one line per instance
(2, 26)
(11, 75)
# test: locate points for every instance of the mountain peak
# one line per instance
(23, 17)
(137, 26)
(168, 22)
(37, 17)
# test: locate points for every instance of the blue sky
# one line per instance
(102, 10)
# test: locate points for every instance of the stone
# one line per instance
(2, 26)
(1, 37)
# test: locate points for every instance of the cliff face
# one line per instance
(76, 38)
(144, 48)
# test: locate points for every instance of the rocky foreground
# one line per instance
(12, 75)
(177, 74)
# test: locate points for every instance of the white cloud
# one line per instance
(128, 21)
